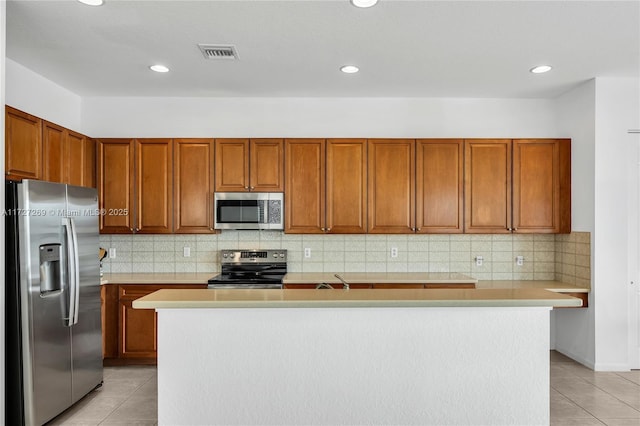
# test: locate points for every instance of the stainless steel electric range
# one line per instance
(248, 269)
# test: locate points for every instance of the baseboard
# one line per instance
(612, 367)
(587, 363)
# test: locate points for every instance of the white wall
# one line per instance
(575, 115)
(32, 93)
(596, 116)
(317, 117)
(617, 110)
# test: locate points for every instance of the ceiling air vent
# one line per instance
(218, 51)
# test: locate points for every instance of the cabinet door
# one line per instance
(305, 186)
(53, 152)
(193, 186)
(346, 198)
(89, 163)
(232, 165)
(391, 186)
(115, 185)
(74, 159)
(439, 186)
(488, 186)
(138, 327)
(23, 145)
(154, 186)
(536, 186)
(266, 165)
(80, 160)
(109, 304)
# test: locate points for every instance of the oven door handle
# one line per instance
(240, 286)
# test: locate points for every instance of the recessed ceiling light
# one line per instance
(159, 68)
(349, 69)
(92, 2)
(364, 3)
(540, 69)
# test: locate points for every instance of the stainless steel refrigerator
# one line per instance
(52, 282)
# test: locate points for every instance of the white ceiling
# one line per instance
(295, 48)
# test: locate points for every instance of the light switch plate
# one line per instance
(186, 251)
(112, 252)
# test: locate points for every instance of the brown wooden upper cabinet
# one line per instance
(439, 186)
(304, 195)
(135, 185)
(518, 186)
(325, 190)
(38, 149)
(249, 165)
(193, 185)
(23, 145)
(68, 157)
(115, 185)
(416, 186)
(80, 158)
(392, 193)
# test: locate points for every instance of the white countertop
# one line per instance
(159, 278)
(203, 298)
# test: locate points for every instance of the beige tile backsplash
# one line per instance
(546, 257)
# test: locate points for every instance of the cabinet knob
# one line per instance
(328, 229)
(137, 229)
(252, 188)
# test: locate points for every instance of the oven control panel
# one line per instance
(253, 256)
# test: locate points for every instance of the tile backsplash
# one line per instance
(546, 257)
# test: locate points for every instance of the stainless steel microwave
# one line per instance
(249, 210)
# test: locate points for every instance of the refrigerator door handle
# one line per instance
(76, 304)
(74, 271)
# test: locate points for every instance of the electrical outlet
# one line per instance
(394, 251)
(479, 260)
(307, 252)
(112, 252)
(519, 260)
(186, 251)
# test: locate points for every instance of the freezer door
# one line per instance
(46, 340)
(86, 352)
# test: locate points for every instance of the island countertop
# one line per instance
(196, 298)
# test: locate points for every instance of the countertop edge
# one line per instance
(220, 299)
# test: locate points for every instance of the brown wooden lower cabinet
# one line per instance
(334, 285)
(129, 335)
(387, 286)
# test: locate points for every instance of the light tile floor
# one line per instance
(579, 397)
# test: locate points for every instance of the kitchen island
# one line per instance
(445, 356)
